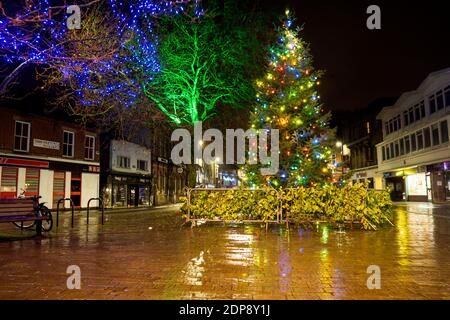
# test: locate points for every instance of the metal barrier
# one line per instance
(57, 209)
(100, 202)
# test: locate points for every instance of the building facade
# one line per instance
(414, 156)
(48, 157)
(127, 175)
(361, 137)
(169, 179)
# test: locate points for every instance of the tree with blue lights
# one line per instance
(287, 100)
(97, 70)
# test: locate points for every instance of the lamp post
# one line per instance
(340, 145)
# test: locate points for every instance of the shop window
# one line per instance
(435, 134)
(432, 104)
(68, 143)
(427, 137)
(89, 148)
(32, 182)
(22, 136)
(439, 100)
(419, 137)
(444, 131)
(8, 186)
(413, 142)
(371, 183)
(142, 165)
(59, 186)
(123, 162)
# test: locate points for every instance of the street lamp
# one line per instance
(340, 145)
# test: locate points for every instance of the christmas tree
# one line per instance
(287, 100)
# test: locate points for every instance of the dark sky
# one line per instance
(363, 64)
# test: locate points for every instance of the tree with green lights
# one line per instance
(287, 100)
(203, 66)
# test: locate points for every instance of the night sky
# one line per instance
(361, 64)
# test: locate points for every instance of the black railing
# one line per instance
(57, 210)
(100, 203)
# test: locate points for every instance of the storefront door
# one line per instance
(397, 187)
(133, 196)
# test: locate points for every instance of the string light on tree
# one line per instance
(290, 89)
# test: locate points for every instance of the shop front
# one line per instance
(410, 184)
(440, 181)
(368, 175)
(52, 180)
(125, 191)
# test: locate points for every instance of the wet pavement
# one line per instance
(151, 255)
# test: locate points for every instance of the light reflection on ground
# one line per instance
(151, 255)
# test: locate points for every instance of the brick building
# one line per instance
(50, 157)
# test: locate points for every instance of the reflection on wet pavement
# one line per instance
(152, 255)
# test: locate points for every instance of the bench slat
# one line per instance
(16, 207)
(14, 200)
(15, 213)
(21, 218)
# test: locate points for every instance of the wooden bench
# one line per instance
(21, 209)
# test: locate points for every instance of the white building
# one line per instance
(127, 181)
(414, 156)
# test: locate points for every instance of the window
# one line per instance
(402, 147)
(22, 136)
(8, 185)
(386, 128)
(422, 109)
(435, 134)
(413, 142)
(142, 165)
(427, 138)
(123, 162)
(383, 154)
(432, 103)
(419, 137)
(447, 96)
(31, 182)
(392, 150)
(391, 127)
(439, 100)
(407, 145)
(397, 149)
(89, 148)
(444, 131)
(417, 112)
(405, 117)
(68, 143)
(411, 115)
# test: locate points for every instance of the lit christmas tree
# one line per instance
(287, 100)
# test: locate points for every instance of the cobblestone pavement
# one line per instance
(151, 255)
